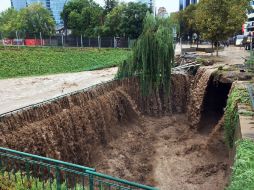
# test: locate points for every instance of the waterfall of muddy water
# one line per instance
(71, 127)
(214, 132)
(112, 128)
(197, 93)
(74, 134)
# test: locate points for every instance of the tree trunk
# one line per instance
(212, 47)
(217, 49)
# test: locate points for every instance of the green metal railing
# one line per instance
(37, 172)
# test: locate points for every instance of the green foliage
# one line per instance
(174, 20)
(110, 5)
(32, 19)
(187, 20)
(16, 62)
(8, 182)
(8, 23)
(243, 168)
(126, 20)
(83, 17)
(238, 95)
(35, 19)
(219, 19)
(250, 62)
(152, 56)
(112, 24)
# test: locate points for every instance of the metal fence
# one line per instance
(70, 41)
(38, 172)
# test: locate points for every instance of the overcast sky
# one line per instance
(170, 5)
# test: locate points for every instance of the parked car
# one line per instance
(239, 40)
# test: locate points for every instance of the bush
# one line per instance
(238, 95)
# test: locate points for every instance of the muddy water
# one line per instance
(72, 127)
(109, 128)
(197, 93)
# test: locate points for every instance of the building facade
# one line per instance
(185, 3)
(18, 4)
(54, 6)
(248, 26)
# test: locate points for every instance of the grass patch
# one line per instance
(34, 61)
(16, 182)
(243, 168)
(238, 95)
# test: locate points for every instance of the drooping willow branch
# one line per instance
(152, 56)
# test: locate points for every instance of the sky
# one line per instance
(170, 5)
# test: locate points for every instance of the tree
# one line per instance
(32, 19)
(113, 22)
(110, 5)
(126, 20)
(84, 17)
(152, 56)
(36, 19)
(9, 23)
(219, 19)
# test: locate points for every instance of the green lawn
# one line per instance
(243, 169)
(27, 61)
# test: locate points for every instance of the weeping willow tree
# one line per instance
(152, 56)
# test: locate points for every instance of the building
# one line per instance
(185, 3)
(249, 24)
(54, 6)
(18, 4)
(162, 12)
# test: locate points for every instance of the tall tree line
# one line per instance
(82, 17)
(86, 17)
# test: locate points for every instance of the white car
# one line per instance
(239, 40)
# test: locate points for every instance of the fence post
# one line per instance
(99, 42)
(62, 41)
(91, 182)
(17, 38)
(89, 42)
(58, 182)
(41, 38)
(81, 38)
(129, 42)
